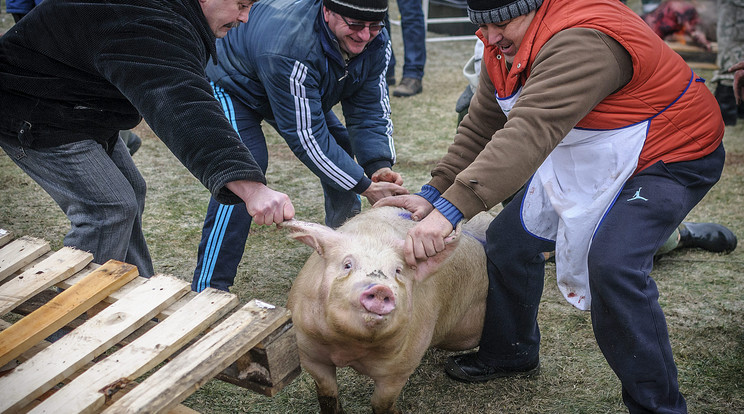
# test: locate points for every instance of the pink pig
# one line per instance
(356, 303)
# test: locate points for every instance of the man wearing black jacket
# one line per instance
(75, 72)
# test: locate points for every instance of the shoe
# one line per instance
(390, 81)
(469, 368)
(408, 87)
(707, 236)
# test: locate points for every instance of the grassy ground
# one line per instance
(701, 293)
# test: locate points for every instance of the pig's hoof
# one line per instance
(469, 368)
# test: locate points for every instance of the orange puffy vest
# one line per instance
(686, 123)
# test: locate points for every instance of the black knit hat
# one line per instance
(364, 10)
(497, 11)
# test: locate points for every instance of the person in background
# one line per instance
(265, 74)
(730, 38)
(413, 27)
(617, 139)
(738, 71)
(60, 121)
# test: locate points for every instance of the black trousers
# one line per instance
(628, 322)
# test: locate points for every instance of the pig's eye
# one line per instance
(347, 264)
(398, 270)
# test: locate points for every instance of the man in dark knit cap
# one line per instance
(73, 73)
(617, 140)
(290, 65)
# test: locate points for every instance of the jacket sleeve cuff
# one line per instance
(449, 211)
(430, 193)
(362, 185)
(372, 167)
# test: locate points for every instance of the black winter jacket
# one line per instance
(85, 69)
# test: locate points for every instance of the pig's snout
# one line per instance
(378, 299)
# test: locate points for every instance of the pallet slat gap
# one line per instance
(59, 266)
(62, 309)
(210, 355)
(99, 333)
(87, 392)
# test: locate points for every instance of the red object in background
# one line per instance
(677, 19)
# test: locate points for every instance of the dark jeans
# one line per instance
(413, 28)
(629, 324)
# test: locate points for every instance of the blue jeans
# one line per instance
(226, 227)
(629, 324)
(413, 27)
(102, 195)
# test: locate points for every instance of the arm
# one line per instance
(548, 107)
(572, 73)
(293, 90)
(265, 205)
(160, 69)
(366, 109)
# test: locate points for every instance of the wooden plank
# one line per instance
(179, 409)
(89, 391)
(5, 237)
(80, 346)
(63, 308)
(210, 355)
(61, 265)
(19, 253)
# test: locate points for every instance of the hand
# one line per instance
(380, 190)
(265, 205)
(417, 205)
(388, 175)
(426, 238)
(738, 70)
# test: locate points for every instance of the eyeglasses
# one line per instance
(358, 27)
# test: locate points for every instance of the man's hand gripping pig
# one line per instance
(427, 238)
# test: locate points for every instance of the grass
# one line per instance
(701, 293)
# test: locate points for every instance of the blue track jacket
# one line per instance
(286, 64)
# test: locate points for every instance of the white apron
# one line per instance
(572, 190)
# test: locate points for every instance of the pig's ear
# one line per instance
(317, 236)
(427, 267)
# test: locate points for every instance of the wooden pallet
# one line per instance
(121, 327)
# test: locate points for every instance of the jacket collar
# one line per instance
(196, 16)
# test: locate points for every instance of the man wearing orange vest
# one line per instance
(617, 139)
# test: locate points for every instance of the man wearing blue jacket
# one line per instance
(290, 65)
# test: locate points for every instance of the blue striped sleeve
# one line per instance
(449, 211)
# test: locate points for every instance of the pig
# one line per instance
(357, 303)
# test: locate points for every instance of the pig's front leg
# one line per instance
(325, 385)
(386, 393)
